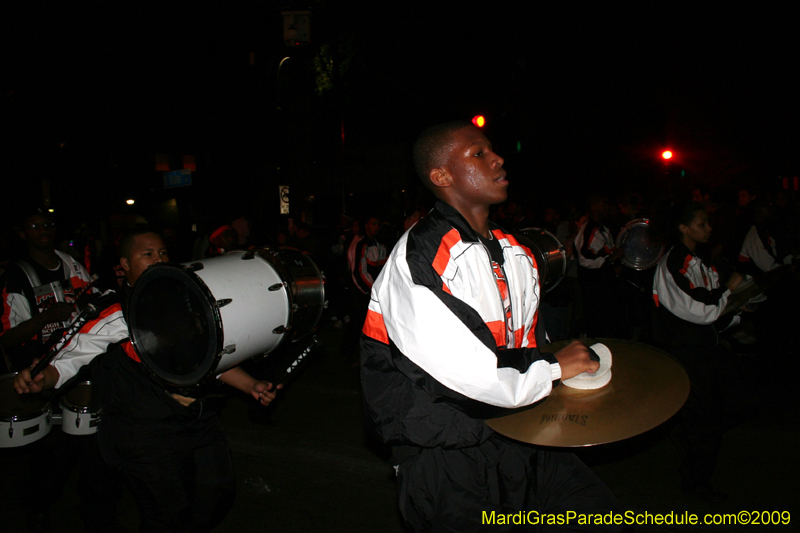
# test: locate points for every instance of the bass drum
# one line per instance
(551, 259)
(190, 322)
(24, 418)
(642, 249)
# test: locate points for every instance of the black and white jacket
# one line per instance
(437, 355)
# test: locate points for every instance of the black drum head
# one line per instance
(174, 325)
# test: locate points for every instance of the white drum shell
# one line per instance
(77, 419)
(254, 312)
(19, 430)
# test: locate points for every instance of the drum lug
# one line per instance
(11, 430)
(228, 349)
(194, 267)
(224, 302)
(277, 286)
(280, 330)
(248, 255)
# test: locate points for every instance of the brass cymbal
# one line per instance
(647, 387)
(747, 290)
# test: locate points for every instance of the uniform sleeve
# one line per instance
(447, 340)
(361, 274)
(697, 305)
(16, 310)
(92, 340)
(594, 244)
(754, 250)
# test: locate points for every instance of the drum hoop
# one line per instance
(286, 274)
(560, 247)
(35, 412)
(199, 288)
(72, 406)
(644, 222)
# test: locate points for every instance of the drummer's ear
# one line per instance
(440, 177)
(125, 264)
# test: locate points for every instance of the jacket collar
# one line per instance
(455, 218)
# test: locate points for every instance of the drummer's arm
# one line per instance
(44, 380)
(734, 281)
(238, 378)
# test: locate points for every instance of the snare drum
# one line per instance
(24, 418)
(551, 259)
(76, 417)
(642, 249)
(191, 322)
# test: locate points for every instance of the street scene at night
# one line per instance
(339, 266)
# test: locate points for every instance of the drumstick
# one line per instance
(90, 311)
(294, 364)
(58, 333)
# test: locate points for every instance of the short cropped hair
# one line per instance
(127, 240)
(432, 146)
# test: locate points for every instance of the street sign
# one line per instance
(177, 178)
(283, 190)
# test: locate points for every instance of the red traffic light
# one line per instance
(479, 120)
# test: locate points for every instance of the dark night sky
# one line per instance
(590, 91)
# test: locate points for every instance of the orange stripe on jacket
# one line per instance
(6, 318)
(498, 329)
(127, 346)
(443, 253)
(375, 328)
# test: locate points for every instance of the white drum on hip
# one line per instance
(192, 321)
(76, 416)
(24, 418)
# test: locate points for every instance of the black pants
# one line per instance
(721, 395)
(51, 461)
(181, 477)
(459, 490)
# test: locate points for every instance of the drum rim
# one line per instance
(65, 402)
(199, 288)
(546, 266)
(285, 273)
(37, 413)
(644, 221)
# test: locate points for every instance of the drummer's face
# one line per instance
(148, 249)
(699, 230)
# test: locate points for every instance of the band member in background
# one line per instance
(365, 259)
(169, 448)
(688, 320)
(452, 337)
(40, 293)
(759, 251)
(596, 252)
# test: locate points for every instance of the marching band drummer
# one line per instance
(170, 449)
(453, 337)
(40, 294)
(759, 251)
(689, 300)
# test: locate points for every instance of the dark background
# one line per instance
(577, 96)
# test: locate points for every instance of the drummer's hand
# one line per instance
(734, 281)
(24, 383)
(264, 392)
(58, 312)
(574, 360)
(618, 254)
